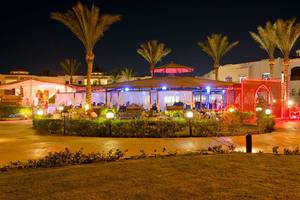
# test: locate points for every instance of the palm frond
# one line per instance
(86, 24)
(153, 51)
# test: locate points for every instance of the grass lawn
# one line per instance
(227, 176)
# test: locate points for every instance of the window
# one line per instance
(299, 92)
(228, 79)
(241, 77)
(171, 99)
(79, 82)
(266, 76)
(295, 74)
(67, 82)
(293, 92)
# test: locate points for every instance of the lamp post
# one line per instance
(110, 115)
(64, 114)
(189, 115)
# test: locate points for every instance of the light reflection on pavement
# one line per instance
(19, 141)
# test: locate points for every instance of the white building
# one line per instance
(260, 70)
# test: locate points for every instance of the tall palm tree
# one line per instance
(285, 35)
(262, 37)
(89, 27)
(127, 74)
(153, 51)
(216, 46)
(70, 66)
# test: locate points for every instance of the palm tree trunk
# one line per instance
(271, 64)
(216, 68)
(90, 62)
(152, 70)
(286, 63)
(71, 79)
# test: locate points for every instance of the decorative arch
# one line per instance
(264, 92)
(295, 73)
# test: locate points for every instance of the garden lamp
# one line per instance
(110, 115)
(268, 111)
(189, 115)
(40, 112)
(60, 108)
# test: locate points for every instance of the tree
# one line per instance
(70, 66)
(127, 74)
(153, 52)
(262, 37)
(285, 35)
(115, 76)
(216, 47)
(89, 27)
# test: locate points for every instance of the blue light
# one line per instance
(164, 87)
(126, 89)
(223, 91)
(207, 89)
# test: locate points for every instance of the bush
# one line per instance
(233, 121)
(265, 123)
(206, 127)
(64, 158)
(114, 128)
(12, 111)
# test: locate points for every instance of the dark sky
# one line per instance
(30, 39)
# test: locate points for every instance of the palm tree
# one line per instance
(70, 66)
(115, 76)
(216, 47)
(153, 51)
(89, 27)
(285, 35)
(127, 74)
(262, 37)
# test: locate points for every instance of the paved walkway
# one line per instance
(19, 141)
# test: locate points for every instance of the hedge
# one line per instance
(139, 128)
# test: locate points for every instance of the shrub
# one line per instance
(64, 158)
(233, 121)
(206, 127)
(10, 111)
(265, 124)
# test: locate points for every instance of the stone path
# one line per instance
(19, 141)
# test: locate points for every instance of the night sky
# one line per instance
(30, 40)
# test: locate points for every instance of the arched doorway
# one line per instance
(295, 74)
(263, 96)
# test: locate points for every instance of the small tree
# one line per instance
(70, 66)
(127, 74)
(216, 46)
(153, 52)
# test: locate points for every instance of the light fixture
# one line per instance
(110, 115)
(126, 89)
(207, 89)
(231, 110)
(189, 114)
(290, 102)
(274, 101)
(60, 108)
(258, 109)
(86, 107)
(40, 112)
(268, 111)
(164, 87)
(223, 91)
